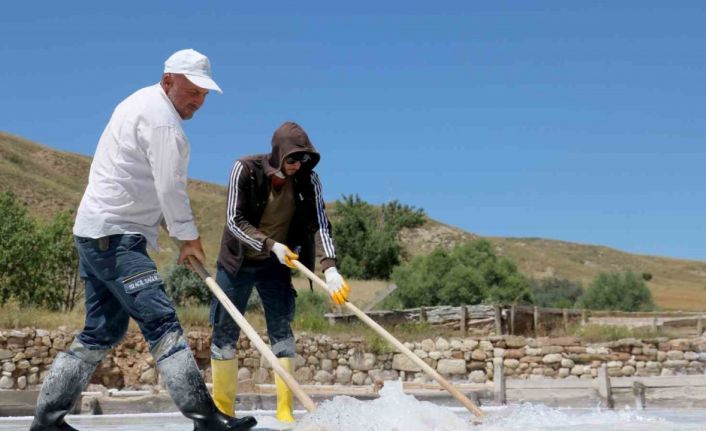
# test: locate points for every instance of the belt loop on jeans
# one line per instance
(103, 243)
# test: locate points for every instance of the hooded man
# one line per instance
(275, 205)
(137, 179)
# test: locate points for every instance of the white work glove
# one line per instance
(336, 286)
(284, 254)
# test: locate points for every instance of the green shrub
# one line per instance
(18, 254)
(614, 291)
(62, 288)
(378, 345)
(38, 263)
(366, 236)
(184, 286)
(471, 273)
(555, 292)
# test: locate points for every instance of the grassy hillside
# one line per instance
(50, 180)
(676, 283)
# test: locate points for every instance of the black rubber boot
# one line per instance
(185, 385)
(60, 390)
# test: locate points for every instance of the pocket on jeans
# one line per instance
(141, 280)
(129, 241)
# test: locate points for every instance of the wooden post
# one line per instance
(464, 320)
(699, 326)
(654, 323)
(604, 388)
(565, 316)
(638, 389)
(422, 314)
(474, 397)
(536, 320)
(89, 405)
(498, 321)
(513, 309)
(499, 391)
(584, 317)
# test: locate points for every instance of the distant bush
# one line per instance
(366, 236)
(555, 292)
(38, 263)
(184, 286)
(62, 287)
(647, 276)
(614, 291)
(471, 273)
(18, 254)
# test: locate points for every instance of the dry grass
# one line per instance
(362, 291)
(196, 318)
(14, 317)
(600, 333)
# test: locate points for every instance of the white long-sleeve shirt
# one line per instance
(139, 173)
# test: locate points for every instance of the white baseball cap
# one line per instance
(195, 66)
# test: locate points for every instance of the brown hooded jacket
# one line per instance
(248, 190)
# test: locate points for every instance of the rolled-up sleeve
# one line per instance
(168, 154)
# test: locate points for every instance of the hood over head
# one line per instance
(290, 138)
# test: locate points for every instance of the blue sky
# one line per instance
(575, 120)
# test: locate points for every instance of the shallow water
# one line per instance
(395, 411)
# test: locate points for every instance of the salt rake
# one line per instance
(250, 332)
(395, 342)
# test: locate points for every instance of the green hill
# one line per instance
(49, 180)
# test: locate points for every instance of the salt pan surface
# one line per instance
(395, 411)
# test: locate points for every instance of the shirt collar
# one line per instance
(168, 102)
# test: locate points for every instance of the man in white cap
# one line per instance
(137, 179)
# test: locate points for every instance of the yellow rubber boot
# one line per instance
(284, 394)
(225, 384)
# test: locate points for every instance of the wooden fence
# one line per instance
(604, 385)
(526, 320)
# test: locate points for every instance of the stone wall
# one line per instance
(26, 355)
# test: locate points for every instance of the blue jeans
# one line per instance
(273, 282)
(122, 282)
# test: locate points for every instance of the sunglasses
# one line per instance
(298, 157)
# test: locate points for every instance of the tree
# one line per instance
(38, 264)
(471, 273)
(19, 254)
(366, 236)
(59, 287)
(614, 291)
(555, 292)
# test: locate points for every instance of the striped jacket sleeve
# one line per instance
(323, 237)
(235, 218)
